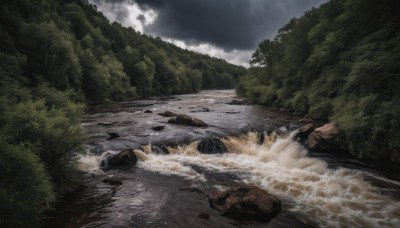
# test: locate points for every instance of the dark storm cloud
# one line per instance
(230, 24)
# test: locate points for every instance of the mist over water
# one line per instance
(315, 193)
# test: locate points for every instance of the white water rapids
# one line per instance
(315, 193)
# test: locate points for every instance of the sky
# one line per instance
(228, 29)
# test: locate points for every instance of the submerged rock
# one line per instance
(112, 135)
(112, 180)
(246, 202)
(158, 128)
(212, 146)
(125, 157)
(148, 111)
(324, 138)
(187, 120)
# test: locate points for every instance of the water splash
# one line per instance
(317, 194)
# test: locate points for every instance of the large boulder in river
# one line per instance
(246, 202)
(125, 157)
(211, 146)
(187, 120)
(324, 138)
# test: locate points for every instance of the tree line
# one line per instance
(338, 62)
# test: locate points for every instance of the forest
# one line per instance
(56, 57)
(338, 62)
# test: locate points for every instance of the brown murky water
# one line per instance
(316, 189)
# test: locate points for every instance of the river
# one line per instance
(316, 189)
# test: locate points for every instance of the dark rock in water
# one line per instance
(125, 157)
(261, 137)
(204, 215)
(324, 138)
(246, 202)
(148, 111)
(187, 120)
(106, 123)
(211, 146)
(237, 102)
(159, 150)
(191, 189)
(181, 119)
(305, 131)
(198, 123)
(112, 135)
(205, 110)
(158, 128)
(232, 112)
(112, 180)
(167, 114)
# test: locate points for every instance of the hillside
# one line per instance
(70, 46)
(339, 62)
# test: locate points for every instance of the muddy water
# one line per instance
(316, 189)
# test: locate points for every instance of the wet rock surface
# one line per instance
(211, 146)
(324, 138)
(125, 157)
(246, 202)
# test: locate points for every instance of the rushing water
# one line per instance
(317, 189)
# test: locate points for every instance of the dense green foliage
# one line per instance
(25, 188)
(39, 143)
(71, 46)
(338, 62)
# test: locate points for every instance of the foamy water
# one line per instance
(325, 197)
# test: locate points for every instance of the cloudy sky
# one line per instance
(228, 29)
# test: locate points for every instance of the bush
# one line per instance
(57, 134)
(25, 188)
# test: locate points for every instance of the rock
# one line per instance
(204, 215)
(232, 112)
(205, 110)
(148, 111)
(246, 202)
(324, 138)
(125, 157)
(237, 102)
(106, 123)
(306, 120)
(187, 120)
(306, 130)
(112, 135)
(158, 128)
(159, 150)
(198, 123)
(112, 181)
(211, 146)
(167, 114)
(183, 119)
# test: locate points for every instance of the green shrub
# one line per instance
(25, 188)
(57, 134)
